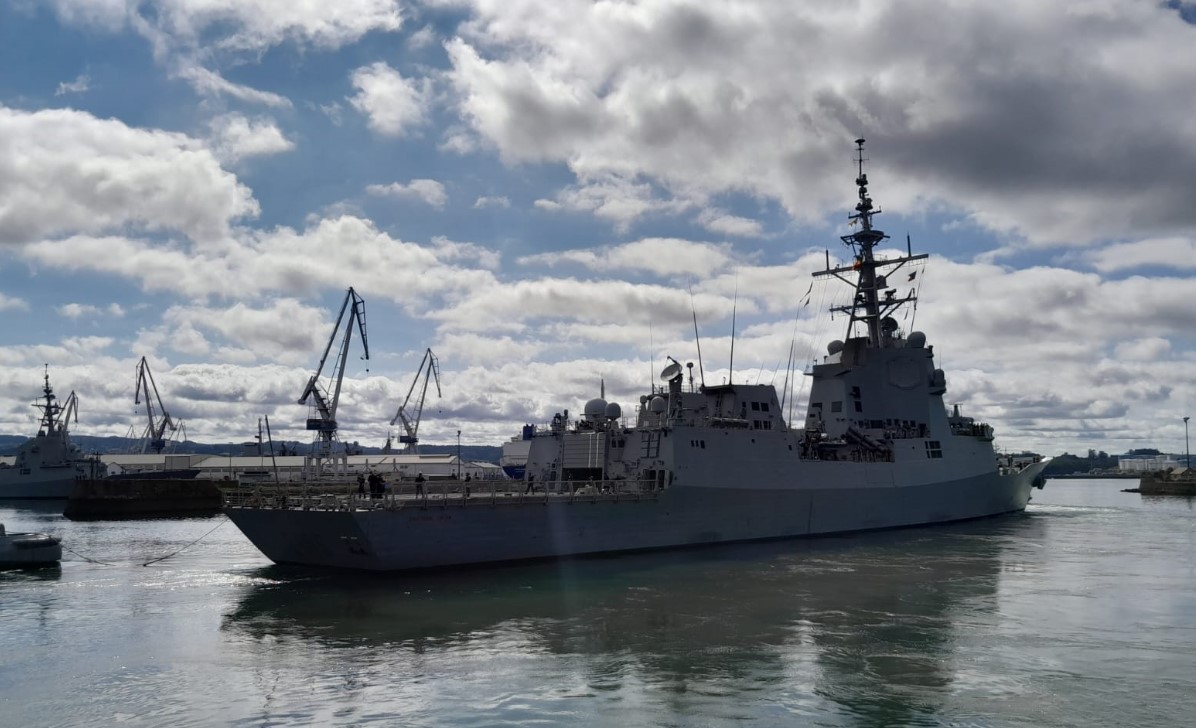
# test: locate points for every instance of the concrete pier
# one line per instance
(1166, 485)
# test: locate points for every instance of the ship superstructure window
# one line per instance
(755, 406)
(837, 406)
(934, 449)
(763, 406)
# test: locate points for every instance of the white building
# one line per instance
(1148, 464)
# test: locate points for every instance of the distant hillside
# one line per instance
(106, 445)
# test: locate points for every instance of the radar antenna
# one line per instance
(671, 372)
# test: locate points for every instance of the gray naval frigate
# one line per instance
(48, 465)
(701, 465)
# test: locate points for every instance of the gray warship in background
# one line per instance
(48, 465)
(701, 465)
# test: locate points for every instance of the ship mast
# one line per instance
(51, 409)
(874, 300)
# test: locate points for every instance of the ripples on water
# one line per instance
(1081, 612)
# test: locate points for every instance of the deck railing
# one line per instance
(345, 496)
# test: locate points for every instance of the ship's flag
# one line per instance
(913, 275)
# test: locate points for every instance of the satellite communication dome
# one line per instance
(595, 408)
(658, 405)
(916, 340)
(834, 347)
(613, 411)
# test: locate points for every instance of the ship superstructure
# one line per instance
(696, 464)
(47, 465)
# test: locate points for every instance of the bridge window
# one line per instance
(934, 449)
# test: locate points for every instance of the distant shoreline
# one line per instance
(1085, 476)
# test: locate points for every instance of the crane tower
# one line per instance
(409, 414)
(159, 428)
(324, 396)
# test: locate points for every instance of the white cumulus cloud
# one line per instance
(1028, 117)
(234, 137)
(425, 190)
(65, 171)
(393, 104)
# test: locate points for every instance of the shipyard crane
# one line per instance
(67, 412)
(158, 422)
(410, 414)
(325, 396)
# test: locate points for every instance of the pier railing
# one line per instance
(346, 496)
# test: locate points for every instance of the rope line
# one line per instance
(88, 558)
(176, 552)
(184, 548)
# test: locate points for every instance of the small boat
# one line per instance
(19, 550)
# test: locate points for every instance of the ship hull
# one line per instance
(484, 530)
(48, 486)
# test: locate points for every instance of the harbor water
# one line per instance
(1080, 612)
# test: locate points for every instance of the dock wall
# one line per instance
(118, 498)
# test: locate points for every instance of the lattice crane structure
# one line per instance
(410, 413)
(160, 429)
(323, 396)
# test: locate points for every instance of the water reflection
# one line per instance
(34, 573)
(31, 511)
(868, 623)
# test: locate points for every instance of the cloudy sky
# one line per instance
(546, 193)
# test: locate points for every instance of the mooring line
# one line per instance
(151, 561)
(167, 556)
(88, 558)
